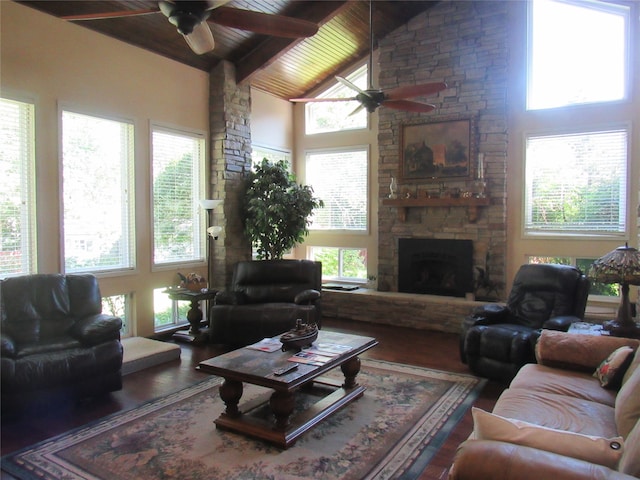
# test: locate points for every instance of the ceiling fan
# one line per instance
(191, 18)
(372, 98)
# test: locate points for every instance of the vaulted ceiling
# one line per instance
(283, 67)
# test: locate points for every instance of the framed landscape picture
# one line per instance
(437, 150)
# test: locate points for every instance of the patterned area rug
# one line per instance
(392, 431)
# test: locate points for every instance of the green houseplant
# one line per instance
(276, 209)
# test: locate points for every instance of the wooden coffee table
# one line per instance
(285, 424)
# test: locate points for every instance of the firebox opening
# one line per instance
(436, 267)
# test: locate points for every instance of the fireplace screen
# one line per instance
(435, 266)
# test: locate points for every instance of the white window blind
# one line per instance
(178, 223)
(576, 183)
(17, 202)
(340, 179)
(97, 163)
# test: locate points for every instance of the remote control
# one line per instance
(281, 371)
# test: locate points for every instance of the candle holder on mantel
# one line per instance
(479, 185)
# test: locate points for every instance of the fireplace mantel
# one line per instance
(403, 204)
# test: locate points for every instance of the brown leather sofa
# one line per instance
(559, 393)
(264, 299)
(56, 343)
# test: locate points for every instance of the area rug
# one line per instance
(391, 432)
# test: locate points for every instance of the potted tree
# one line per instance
(277, 209)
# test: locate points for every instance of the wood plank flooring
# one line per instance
(415, 347)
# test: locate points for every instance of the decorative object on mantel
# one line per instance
(622, 266)
(393, 188)
(480, 185)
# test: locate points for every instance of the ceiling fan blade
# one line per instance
(357, 110)
(201, 39)
(322, 99)
(408, 106)
(350, 85)
(119, 14)
(264, 23)
(411, 91)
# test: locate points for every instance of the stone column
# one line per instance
(230, 110)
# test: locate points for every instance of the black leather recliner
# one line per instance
(264, 299)
(496, 341)
(56, 343)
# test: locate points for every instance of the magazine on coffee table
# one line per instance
(267, 345)
(309, 358)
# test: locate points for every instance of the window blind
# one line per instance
(340, 180)
(97, 183)
(577, 183)
(17, 201)
(178, 229)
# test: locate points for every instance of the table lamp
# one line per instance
(622, 266)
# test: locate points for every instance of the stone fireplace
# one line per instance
(435, 266)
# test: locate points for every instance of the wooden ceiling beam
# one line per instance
(273, 47)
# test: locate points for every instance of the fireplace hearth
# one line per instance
(435, 266)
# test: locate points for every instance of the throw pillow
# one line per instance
(599, 450)
(613, 368)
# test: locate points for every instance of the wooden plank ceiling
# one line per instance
(283, 67)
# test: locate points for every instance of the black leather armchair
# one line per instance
(497, 340)
(56, 343)
(264, 299)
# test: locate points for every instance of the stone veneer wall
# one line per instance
(230, 109)
(464, 44)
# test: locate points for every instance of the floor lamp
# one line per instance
(622, 266)
(213, 232)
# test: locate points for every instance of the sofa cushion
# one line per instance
(576, 351)
(558, 411)
(613, 368)
(630, 461)
(628, 404)
(540, 378)
(603, 451)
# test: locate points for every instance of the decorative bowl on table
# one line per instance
(303, 335)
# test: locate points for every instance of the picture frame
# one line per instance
(437, 151)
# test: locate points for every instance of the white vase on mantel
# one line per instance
(393, 188)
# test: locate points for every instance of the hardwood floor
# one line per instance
(415, 347)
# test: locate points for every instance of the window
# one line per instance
(341, 263)
(601, 289)
(168, 313)
(578, 53)
(322, 117)
(97, 178)
(339, 179)
(178, 185)
(17, 201)
(576, 183)
(271, 154)
(118, 306)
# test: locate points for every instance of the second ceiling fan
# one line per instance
(373, 98)
(191, 18)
